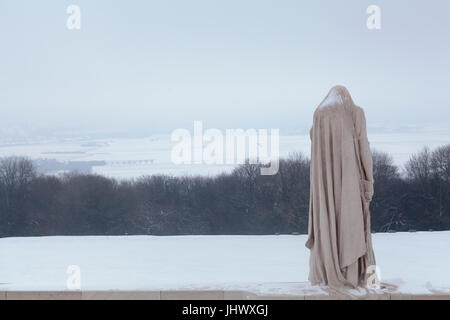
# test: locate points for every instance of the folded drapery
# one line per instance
(341, 190)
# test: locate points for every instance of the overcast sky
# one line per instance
(231, 63)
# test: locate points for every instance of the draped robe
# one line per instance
(341, 189)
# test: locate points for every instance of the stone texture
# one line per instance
(43, 295)
(280, 297)
(208, 295)
(332, 295)
(376, 296)
(192, 295)
(400, 296)
(121, 295)
(323, 297)
(431, 297)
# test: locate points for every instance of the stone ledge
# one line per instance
(43, 295)
(204, 295)
(120, 295)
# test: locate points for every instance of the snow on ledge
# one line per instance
(416, 263)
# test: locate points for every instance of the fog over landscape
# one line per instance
(128, 157)
(152, 67)
(116, 89)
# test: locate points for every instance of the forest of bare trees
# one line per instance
(416, 197)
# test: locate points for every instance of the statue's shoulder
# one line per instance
(358, 112)
(358, 109)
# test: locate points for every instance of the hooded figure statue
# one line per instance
(341, 175)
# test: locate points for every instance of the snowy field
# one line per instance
(133, 157)
(415, 262)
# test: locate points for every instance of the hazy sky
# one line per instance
(231, 63)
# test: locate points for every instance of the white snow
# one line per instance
(332, 100)
(416, 262)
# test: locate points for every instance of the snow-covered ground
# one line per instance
(133, 157)
(415, 262)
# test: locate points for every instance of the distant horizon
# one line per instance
(127, 156)
(19, 131)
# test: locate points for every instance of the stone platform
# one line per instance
(208, 295)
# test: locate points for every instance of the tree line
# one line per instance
(416, 197)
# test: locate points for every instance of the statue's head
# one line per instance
(338, 95)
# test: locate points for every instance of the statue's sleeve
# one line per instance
(364, 151)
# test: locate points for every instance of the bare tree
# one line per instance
(440, 166)
(440, 162)
(418, 167)
(16, 174)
